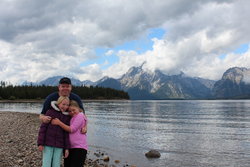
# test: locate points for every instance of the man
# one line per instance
(64, 89)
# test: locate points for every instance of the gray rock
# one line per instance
(117, 161)
(153, 154)
(106, 158)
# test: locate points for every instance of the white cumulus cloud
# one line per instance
(39, 39)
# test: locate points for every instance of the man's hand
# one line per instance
(44, 118)
(55, 121)
(40, 148)
(84, 129)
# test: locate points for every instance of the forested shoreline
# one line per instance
(32, 92)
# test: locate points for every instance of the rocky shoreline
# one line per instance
(18, 136)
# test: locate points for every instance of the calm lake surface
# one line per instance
(187, 133)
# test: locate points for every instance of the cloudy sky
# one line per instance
(90, 39)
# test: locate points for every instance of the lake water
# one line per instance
(187, 133)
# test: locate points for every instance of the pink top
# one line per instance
(76, 138)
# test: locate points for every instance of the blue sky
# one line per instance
(140, 45)
(242, 49)
(94, 39)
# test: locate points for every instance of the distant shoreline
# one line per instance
(42, 100)
(21, 101)
(86, 100)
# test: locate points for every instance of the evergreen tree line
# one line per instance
(11, 92)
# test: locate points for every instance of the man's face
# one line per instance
(64, 89)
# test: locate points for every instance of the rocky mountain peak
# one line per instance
(103, 79)
(133, 71)
(237, 74)
(134, 76)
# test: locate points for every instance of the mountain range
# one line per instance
(146, 85)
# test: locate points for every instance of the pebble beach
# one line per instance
(18, 136)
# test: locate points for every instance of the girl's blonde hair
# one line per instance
(73, 103)
(61, 98)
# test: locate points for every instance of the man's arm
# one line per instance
(47, 103)
(44, 118)
(46, 106)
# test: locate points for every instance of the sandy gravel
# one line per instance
(18, 134)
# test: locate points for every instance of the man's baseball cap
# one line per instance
(65, 80)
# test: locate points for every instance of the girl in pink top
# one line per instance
(78, 140)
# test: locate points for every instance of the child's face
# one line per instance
(64, 105)
(73, 110)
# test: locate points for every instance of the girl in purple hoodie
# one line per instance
(78, 140)
(52, 139)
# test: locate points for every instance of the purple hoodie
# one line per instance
(54, 135)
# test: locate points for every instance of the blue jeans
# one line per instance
(52, 156)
